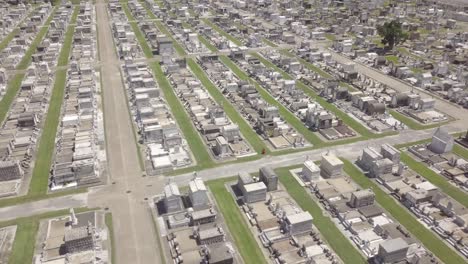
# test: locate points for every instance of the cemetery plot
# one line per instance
(357, 215)
(248, 102)
(221, 136)
(79, 154)
(22, 129)
(192, 230)
(165, 147)
(75, 238)
(12, 16)
(13, 53)
(437, 210)
(7, 237)
(305, 108)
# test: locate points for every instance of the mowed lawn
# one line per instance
(460, 151)
(238, 226)
(430, 240)
(110, 227)
(330, 232)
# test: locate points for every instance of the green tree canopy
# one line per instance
(392, 33)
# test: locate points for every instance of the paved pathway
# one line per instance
(135, 242)
(42, 206)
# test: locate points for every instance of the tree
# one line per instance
(392, 33)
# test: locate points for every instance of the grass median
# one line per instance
(4, 43)
(110, 227)
(430, 240)
(44, 155)
(460, 151)
(238, 227)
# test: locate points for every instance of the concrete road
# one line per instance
(145, 187)
(349, 151)
(135, 242)
(43, 206)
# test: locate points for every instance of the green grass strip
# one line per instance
(238, 226)
(110, 227)
(430, 240)
(15, 31)
(436, 179)
(270, 43)
(460, 151)
(23, 245)
(14, 84)
(194, 140)
(392, 58)
(333, 236)
(8, 38)
(329, 36)
(40, 175)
